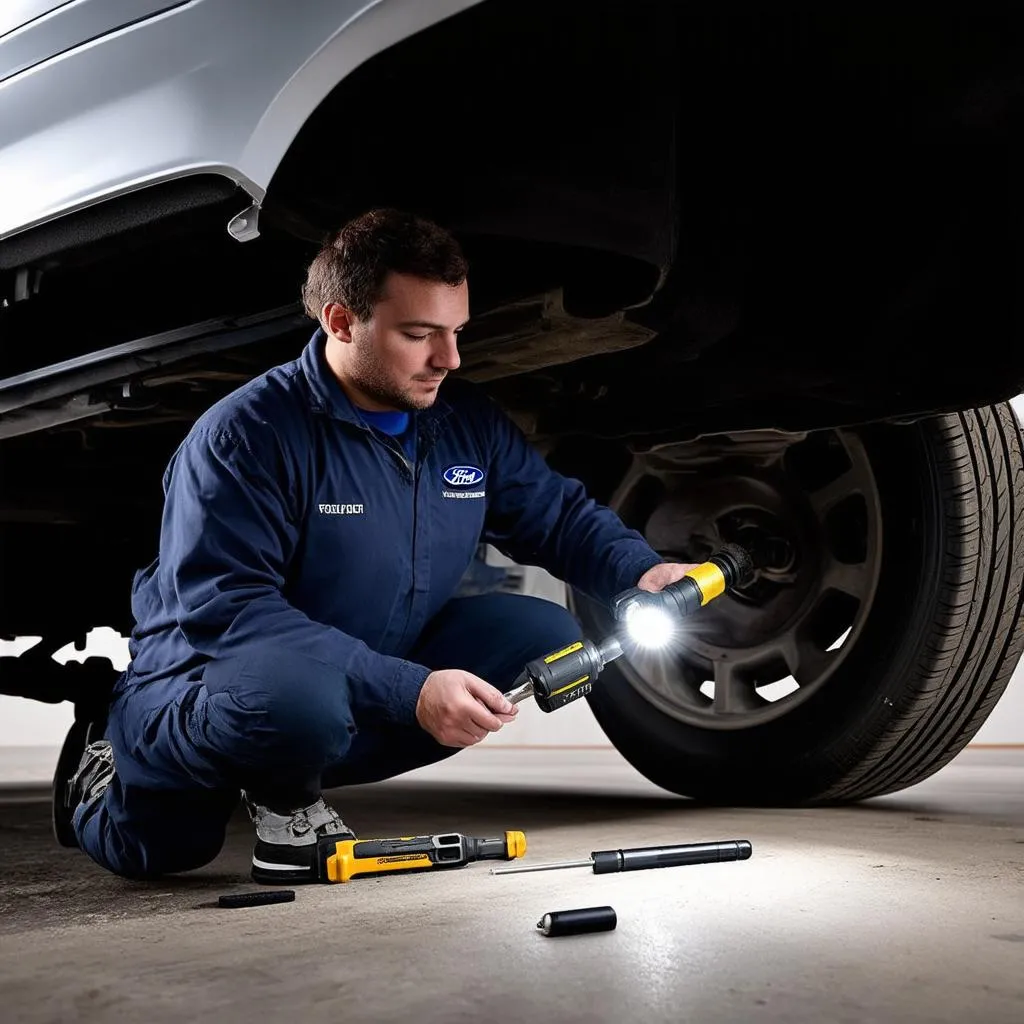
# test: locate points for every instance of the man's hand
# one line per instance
(660, 576)
(459, 709)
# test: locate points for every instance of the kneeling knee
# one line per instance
(289, 705)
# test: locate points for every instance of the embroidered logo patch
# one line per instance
(463, 476)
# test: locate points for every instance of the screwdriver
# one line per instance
(605, 862)
(355, 858)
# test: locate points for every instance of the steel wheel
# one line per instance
(891, 593)
(755, 654)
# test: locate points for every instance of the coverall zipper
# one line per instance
(412, 472)
(425, 442)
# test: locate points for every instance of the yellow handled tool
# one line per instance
(358, 858)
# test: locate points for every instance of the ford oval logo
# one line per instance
(463, 476)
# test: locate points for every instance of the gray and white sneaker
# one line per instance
(289, 847)
(93, 774)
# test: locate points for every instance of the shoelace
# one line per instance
(301, 824)
(101, 762)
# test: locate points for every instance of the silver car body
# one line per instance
(100, 97)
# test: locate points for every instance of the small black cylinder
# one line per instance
(577, 922)
(606, 861)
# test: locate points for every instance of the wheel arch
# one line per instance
(356, 39)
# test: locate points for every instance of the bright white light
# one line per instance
(649, 627)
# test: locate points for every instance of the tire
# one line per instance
(892, 595)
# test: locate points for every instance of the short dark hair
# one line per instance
(354, 261)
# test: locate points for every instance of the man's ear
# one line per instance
(337, 321)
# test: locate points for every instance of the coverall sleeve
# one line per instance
(227, 538)
(536, 516)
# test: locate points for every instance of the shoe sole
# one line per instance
(267, 872)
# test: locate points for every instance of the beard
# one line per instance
(374, 380)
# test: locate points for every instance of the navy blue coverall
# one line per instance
(303, 592)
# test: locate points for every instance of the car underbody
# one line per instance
(723, 265)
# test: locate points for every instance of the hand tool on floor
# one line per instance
(606, 862)
(568, 674)
(358, 858)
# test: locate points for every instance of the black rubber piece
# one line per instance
(256, 899)
(737, 564)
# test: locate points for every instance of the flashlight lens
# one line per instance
(649, 627)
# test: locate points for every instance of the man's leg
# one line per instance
(492, 636)
(266, 723)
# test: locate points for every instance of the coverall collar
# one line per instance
(329, 397)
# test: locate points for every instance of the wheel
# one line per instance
(881, 628)
(74, 744)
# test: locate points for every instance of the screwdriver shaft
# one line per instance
(588, 863)
(520, 692)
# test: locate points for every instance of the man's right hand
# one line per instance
(459, 709)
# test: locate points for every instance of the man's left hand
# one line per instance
(660, 576)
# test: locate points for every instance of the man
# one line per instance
(298, 629)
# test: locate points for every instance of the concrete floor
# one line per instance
(906, 908)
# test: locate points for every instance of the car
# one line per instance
(751, 272)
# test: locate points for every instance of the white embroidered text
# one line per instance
(340, 510)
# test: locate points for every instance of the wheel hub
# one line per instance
(810, 518)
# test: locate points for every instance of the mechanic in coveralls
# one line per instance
(298, 630)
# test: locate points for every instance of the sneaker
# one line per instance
(287, 846)
(94, 772)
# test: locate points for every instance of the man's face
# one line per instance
(398, 357)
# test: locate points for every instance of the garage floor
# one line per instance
(906, 908)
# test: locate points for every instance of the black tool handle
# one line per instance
(607, 861)
(564, 667)
(565, 675)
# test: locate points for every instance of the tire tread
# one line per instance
(977, 635)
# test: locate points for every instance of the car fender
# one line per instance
(204, 87)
